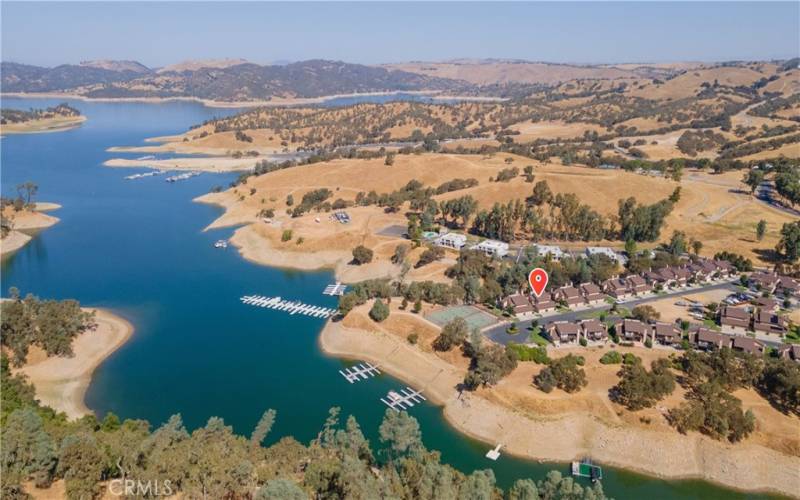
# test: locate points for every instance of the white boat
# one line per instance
(221, 244)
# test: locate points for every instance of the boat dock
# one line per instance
(141, 176)
(495, 453)
(407, 397)
(182, 177)
(360, 372)
(292, 307)
(335, 289)
(585, 468)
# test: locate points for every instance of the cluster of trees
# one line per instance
(41, 446)
(49, 324)
(789, 244)
(642, 222)
(313, 199)
(638, 388)
(362, 255)
(489, 362)
(787, 183)
(691, 142)
(565, 373)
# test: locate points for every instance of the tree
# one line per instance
(645, 313)
(263, 427)
(697, 245)
(789, 245)
(400, 253)
(761, 229)
(712, 410)
(362, 255)
(81, 465)
(402, 433)
(379, 311)
(630, 248)
(753, 178)
(453, 333)
(541, 194)
(30, 189)
(677, 243)
(289, 200)
(431, 254)
(564, 373)
(28, 451)
(389, 161)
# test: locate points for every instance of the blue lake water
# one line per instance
(138, 248)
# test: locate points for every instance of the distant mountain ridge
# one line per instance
(223, 80)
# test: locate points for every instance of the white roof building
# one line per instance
(451, 240)
(492, 248)
(608, 252)
(553, 251)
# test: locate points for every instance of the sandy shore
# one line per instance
(566, 437)
(43, 126)
(277, 101)
(206, 164)
(62, 382)
(26, 225)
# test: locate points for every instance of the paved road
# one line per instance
(764, 193)
(498, 332)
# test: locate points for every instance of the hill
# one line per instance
(225, 80)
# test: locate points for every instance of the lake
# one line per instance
(138, 248)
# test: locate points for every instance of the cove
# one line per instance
(138, 248)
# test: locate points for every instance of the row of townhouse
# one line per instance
(525, 305)
(775, 283)
(708, 339)
(569, 332)
(764, 320)
(701, 271)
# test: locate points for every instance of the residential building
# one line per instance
(707, 339)
(768, 322)
(748, 345)
(520, 305)
(591, 293)
(790, 351)
(569, 295)
(766, 304)
(764, 281)
(632, 330)
(638, 285)
(544, 304)
(617, 288)
(788, 287)
(451, 240)
(608, 252)
(553, 251)
(594, 330)
(667, 334)
(724, 268)
(563, 332)
(736, 319)
(492, 248)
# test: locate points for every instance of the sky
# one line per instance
(161, 33)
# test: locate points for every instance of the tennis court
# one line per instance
(474, 317)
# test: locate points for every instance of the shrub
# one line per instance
(287, 235)
(536, 354)
(379, 311)
(611, 358)
(583, 341)
(413, 338)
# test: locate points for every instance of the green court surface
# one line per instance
(474, 317)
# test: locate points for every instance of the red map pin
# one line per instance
(538, 280)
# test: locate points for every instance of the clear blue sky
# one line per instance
(159, 33)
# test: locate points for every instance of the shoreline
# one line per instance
(278, 102)
(27, 226)
(61, 383)
(49, 124)
(566, 437)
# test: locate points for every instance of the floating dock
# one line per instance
(141, 176)
(407, 397)
(359, 372)
(585, 468)
(335, 289)
(495, 453)
(182, 177)
(292, 307)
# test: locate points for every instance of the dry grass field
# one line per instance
(712, 208)
(688, 83)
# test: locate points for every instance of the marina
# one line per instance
(335, 289)
(360, 372)
(404, 399)
(143, 175)
(182, 177)
(292, 307)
